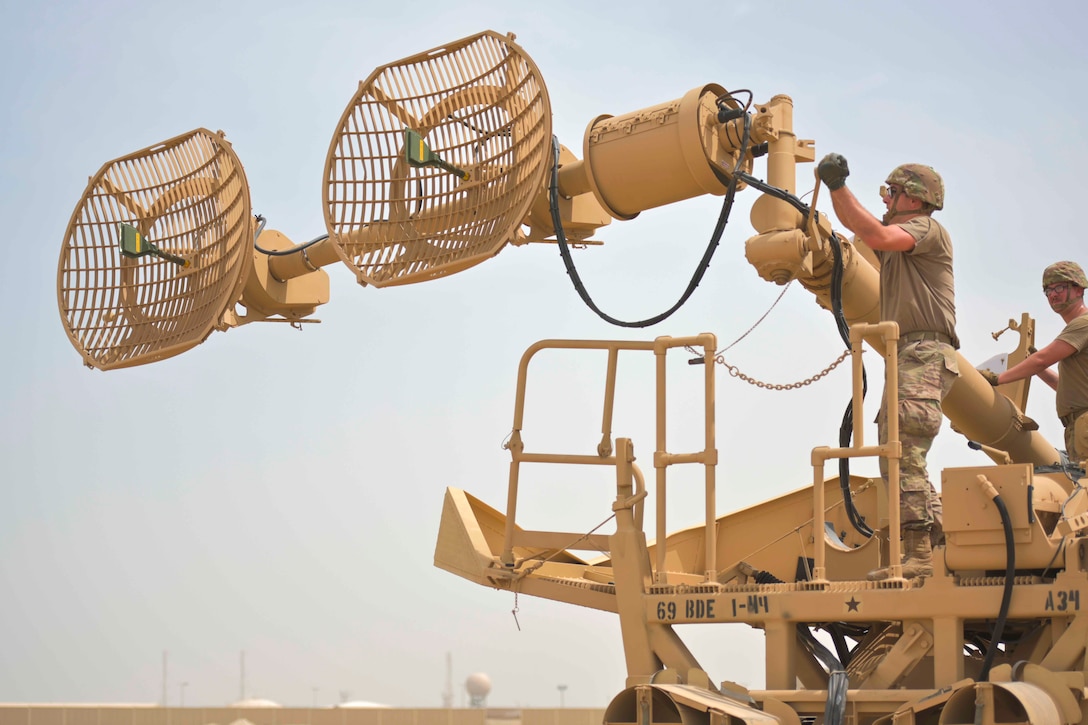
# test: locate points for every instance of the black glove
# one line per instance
(990, 375)
(833, 171)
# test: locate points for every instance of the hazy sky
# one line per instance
(279, 492)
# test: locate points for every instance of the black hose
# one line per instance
(846, 433)
(836, 289)
(838, 636)
(293, 250)
(846, 428)
(838, 682)
(774, 191)
(704, 263)
(261, 222)
(1006, 595)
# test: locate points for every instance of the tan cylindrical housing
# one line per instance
(860, 284)
(984, 415)
(782, 151)
(303, 261)
(778, 256)
(769, 213)
(573, 179)
(293, 297)
(653, 157)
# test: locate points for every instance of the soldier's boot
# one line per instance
(936, 533)
(936, 529)
(917, 557)
(918, 553)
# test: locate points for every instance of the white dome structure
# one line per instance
(478, 686)
(255, 702)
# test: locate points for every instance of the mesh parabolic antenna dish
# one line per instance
(480, 106)
(189, 199)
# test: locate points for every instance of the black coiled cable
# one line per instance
(261, 222)
(838, 682)
(846, 428)
(704, 263)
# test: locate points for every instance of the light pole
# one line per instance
(562, 690)
(315, 689)
(181, 693)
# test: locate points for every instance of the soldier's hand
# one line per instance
(833, 171)
(991, 377)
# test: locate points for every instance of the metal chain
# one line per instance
(736, 373)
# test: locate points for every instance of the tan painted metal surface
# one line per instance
(443, 158)
(481, 104)
(189, 196)
(919, 634)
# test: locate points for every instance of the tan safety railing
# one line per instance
(708, 457)
(888, 335)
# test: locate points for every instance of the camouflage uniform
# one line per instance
(917, 292)
(927, 369)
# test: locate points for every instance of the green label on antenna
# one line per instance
(133, 243)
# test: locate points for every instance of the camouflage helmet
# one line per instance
(919, 182)
(1064, 272)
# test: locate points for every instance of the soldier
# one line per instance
(917, 290)
(1063, 285)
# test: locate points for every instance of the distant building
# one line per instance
(255, 702)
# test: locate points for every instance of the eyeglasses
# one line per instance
(887, 192)
(1057, 287)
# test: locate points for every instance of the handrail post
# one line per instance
(710, 463)
(819, 455)
(604, 448)
(630, 488)
(891, 448)
(515, 445)
(857, 377)
(659, 463)
(895, 453)
(631, 566)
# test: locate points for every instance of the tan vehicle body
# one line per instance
(442, 159)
